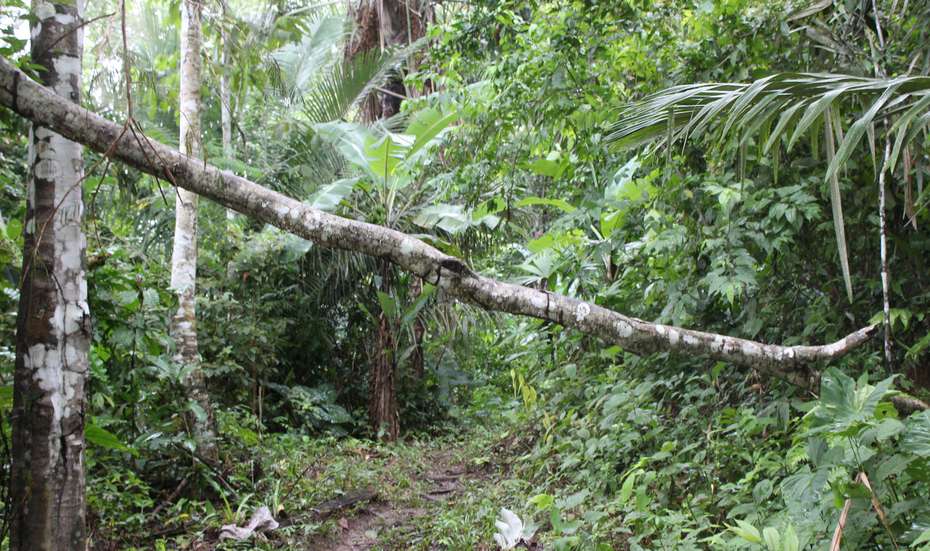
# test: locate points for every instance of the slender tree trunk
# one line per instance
(229, 150)
(380, 24)
(184, 256)
(382, 395)
(417, 367)
(452, 275)
(883, 249)
(53, 325)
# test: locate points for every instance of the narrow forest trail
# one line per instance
(380, 523)
(436, 492)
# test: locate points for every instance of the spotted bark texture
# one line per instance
(451, 274)
(184, 255)
(53, 323)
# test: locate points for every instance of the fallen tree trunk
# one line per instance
(42, 106)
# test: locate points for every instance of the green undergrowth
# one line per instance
(665, 453)
(592, 448)
(604, 454)
(295, 474)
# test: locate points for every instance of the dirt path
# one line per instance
(360, 530)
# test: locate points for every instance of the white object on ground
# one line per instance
(510, 529)
(261, 521)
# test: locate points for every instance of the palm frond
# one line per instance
(299, 64)
(797, 104)
(336, 92)
(836, 202)
(794, 102)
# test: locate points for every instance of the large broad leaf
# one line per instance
(378, 155)
(99, 436)
(630, 190)
(845, 405)
(555, 240)
(449, 218)
(380, 152)
(455, 219)
(917, 436)
(542, 265)
(427, 126)
(331, 195)
(351, 140)
(387, 153)
(746, 531)
(805, 487)
(552, 166)
(560, 204)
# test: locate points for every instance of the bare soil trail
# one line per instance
(361, 529)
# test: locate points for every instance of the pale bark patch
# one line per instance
(42, 10)
(581, 313)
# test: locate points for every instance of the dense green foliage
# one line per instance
(502, 156)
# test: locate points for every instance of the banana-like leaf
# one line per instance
(329, 197)
(427, 125)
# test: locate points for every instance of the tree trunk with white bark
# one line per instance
(451, 274)
(184, 256)
(53, 325)
(229, 150)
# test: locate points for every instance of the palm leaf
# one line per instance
(729, 113)
(300, 63)
(345, 86)
(695, 109)
(836, 203)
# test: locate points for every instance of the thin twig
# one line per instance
(390, 93)
(71, 31)
(171, 497)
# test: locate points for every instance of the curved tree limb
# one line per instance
(34, 102)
